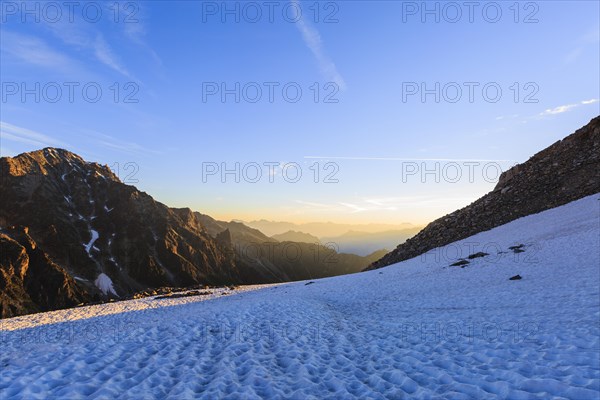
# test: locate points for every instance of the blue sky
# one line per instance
(168, 54)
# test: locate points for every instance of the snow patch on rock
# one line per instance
(95, 237)
(105, 284)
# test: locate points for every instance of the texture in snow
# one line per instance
(416, 329)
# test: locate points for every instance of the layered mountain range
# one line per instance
(283, 258)
(323, 229)
(71, 232)
(354, 242)
(363, 243)
(565, 171)
(296, 236)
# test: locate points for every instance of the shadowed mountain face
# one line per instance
(72, 232)
(566, 171)
(283, 260)
(109, 237)
(240, 233)
(29, 280)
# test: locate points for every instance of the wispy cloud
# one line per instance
(592, 37)
(549, 112)
(513, 116)
(313, 41)
(35, 51)
(105, 55)
(115, 144)
(383, 204)
(70, 33)
(356, 158)
(394, 203)
(313, 204)
(22, 135)
(566, 107)
(354, 208)
(32, 50)
(559, 109)
(338, 207)
(87, 38)
(136, 34)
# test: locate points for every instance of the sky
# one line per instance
(347, 111)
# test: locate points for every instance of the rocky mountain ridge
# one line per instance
(108, 238)
(72, 232)
(565, 171)
(281, 259)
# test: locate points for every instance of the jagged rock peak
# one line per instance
(52, 160)
(224, 238)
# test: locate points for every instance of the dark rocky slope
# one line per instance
(100, 232)
(566, 171)
(72, 232)
(30, 280)
(279, 261)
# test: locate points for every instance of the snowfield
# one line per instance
(417, 329)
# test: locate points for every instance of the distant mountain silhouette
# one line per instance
(322, 229)
(296, 236)
(240, 233)
(71, 232)
(363, 243)
(102, 233)
(284, 259)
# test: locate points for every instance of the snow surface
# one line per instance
(104, 283)
(417, 329)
